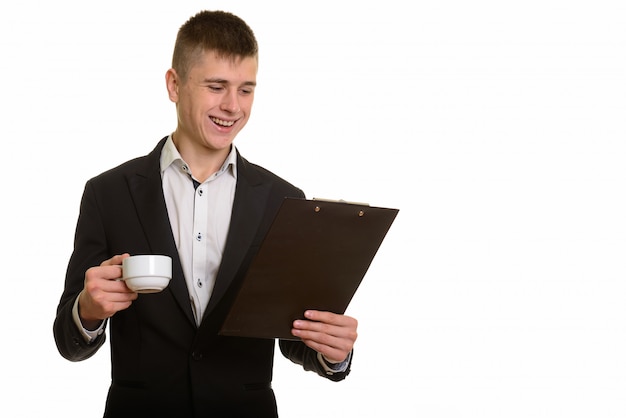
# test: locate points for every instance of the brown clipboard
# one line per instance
(314, 256)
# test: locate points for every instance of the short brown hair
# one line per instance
(226, 34)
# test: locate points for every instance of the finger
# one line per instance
(108, 284)
(106, 272)
(335, 349)
(331, 354)
(310, 328)
(328, 335)
(331, 318)
(115, 260)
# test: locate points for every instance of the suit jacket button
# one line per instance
(196, 355)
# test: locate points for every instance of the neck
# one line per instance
(203, 161)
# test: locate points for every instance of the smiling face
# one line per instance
(213, 102)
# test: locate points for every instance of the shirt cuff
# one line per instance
(88, 335)
(332, 368)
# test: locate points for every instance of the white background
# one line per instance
(496, 127)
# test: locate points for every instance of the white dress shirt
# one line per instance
(200, 217)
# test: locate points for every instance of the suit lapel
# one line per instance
(249, 205)
(147, 191)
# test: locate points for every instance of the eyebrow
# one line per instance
(223, 81)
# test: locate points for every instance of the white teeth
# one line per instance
(222, 122)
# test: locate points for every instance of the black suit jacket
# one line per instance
(162, 364)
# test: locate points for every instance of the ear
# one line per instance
(172, 83)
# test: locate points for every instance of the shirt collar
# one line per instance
(171, 156)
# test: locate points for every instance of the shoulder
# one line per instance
(146, 165)
(120, 170)
(114, 180)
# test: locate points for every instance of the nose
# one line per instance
(231, 102)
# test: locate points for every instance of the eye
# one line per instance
(216, 87)
(247, 91)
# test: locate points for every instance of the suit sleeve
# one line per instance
(90, 249)
(299, 353)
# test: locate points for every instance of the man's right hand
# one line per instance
(103, 293)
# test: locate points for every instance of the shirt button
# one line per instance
(185, 168)
(200, 192)
(199, 236)
(199, 283)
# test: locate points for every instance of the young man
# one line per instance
(196, 199)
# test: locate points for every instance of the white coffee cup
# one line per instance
(147, 273)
